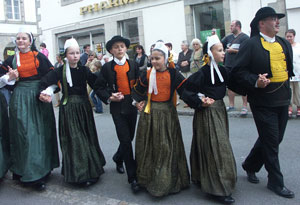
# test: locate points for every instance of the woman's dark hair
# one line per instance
(140, 47)
(31, 37)
(291, 31)
(169, 45)
(205, 48)
(43, 45)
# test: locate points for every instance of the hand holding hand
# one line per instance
(184, 63)
(45, 98)
(206, 101)
(140, 106)
(262, 80)
(12, 74)
(116, 97)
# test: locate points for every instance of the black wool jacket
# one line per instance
(252, 60)
(106, 84)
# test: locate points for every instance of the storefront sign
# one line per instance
(206, 33)
(104, 5)
(10, 52)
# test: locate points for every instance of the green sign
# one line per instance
(10, 52)
(206, 33)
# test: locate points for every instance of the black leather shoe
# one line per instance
(16, 177)
(120, 168)
(86, 184)
(119, 165)
(135, 187)
(224, 199)
(252, 178)
(40, 186)
(284, 192)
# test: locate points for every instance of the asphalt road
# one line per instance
(113, 189)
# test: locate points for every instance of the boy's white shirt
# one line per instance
(120, 62)
(49, 90)
(4, 81)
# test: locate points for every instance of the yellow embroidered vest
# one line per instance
(277, 61)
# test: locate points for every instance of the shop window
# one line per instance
(208, 16)
(13, 9)
(129, 29)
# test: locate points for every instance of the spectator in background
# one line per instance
(141, 58)
(92, 59)
(99, 56)
(4, 135)
(231, 44)
(59, 62)
(97, 102)
(85, 55)
(172, 52)
(5, 89)
(149, 64)
(44, 50)
(196, 55)
(183, 63)
(106, 58)
(294, 82)
(213, 31)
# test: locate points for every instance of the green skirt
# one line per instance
(161, 161)
(213, 165)
(32, 130)
(82, 157)
(4, 137)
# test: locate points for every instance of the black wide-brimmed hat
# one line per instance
(115, 39)
(262, 13)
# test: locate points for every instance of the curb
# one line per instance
(231, 114)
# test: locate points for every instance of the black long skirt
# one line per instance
(32, 130)
(161, 161)
(83, 159)
(213, 165)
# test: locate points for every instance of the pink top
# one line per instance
(45, 52)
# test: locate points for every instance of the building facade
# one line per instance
(95, 22)
(144, 22)
(293, 16)
(15, 15)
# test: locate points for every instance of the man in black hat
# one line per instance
(263, 66)
(113, 86)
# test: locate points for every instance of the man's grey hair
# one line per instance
(185, 42)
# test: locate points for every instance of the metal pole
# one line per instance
(91, 42)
